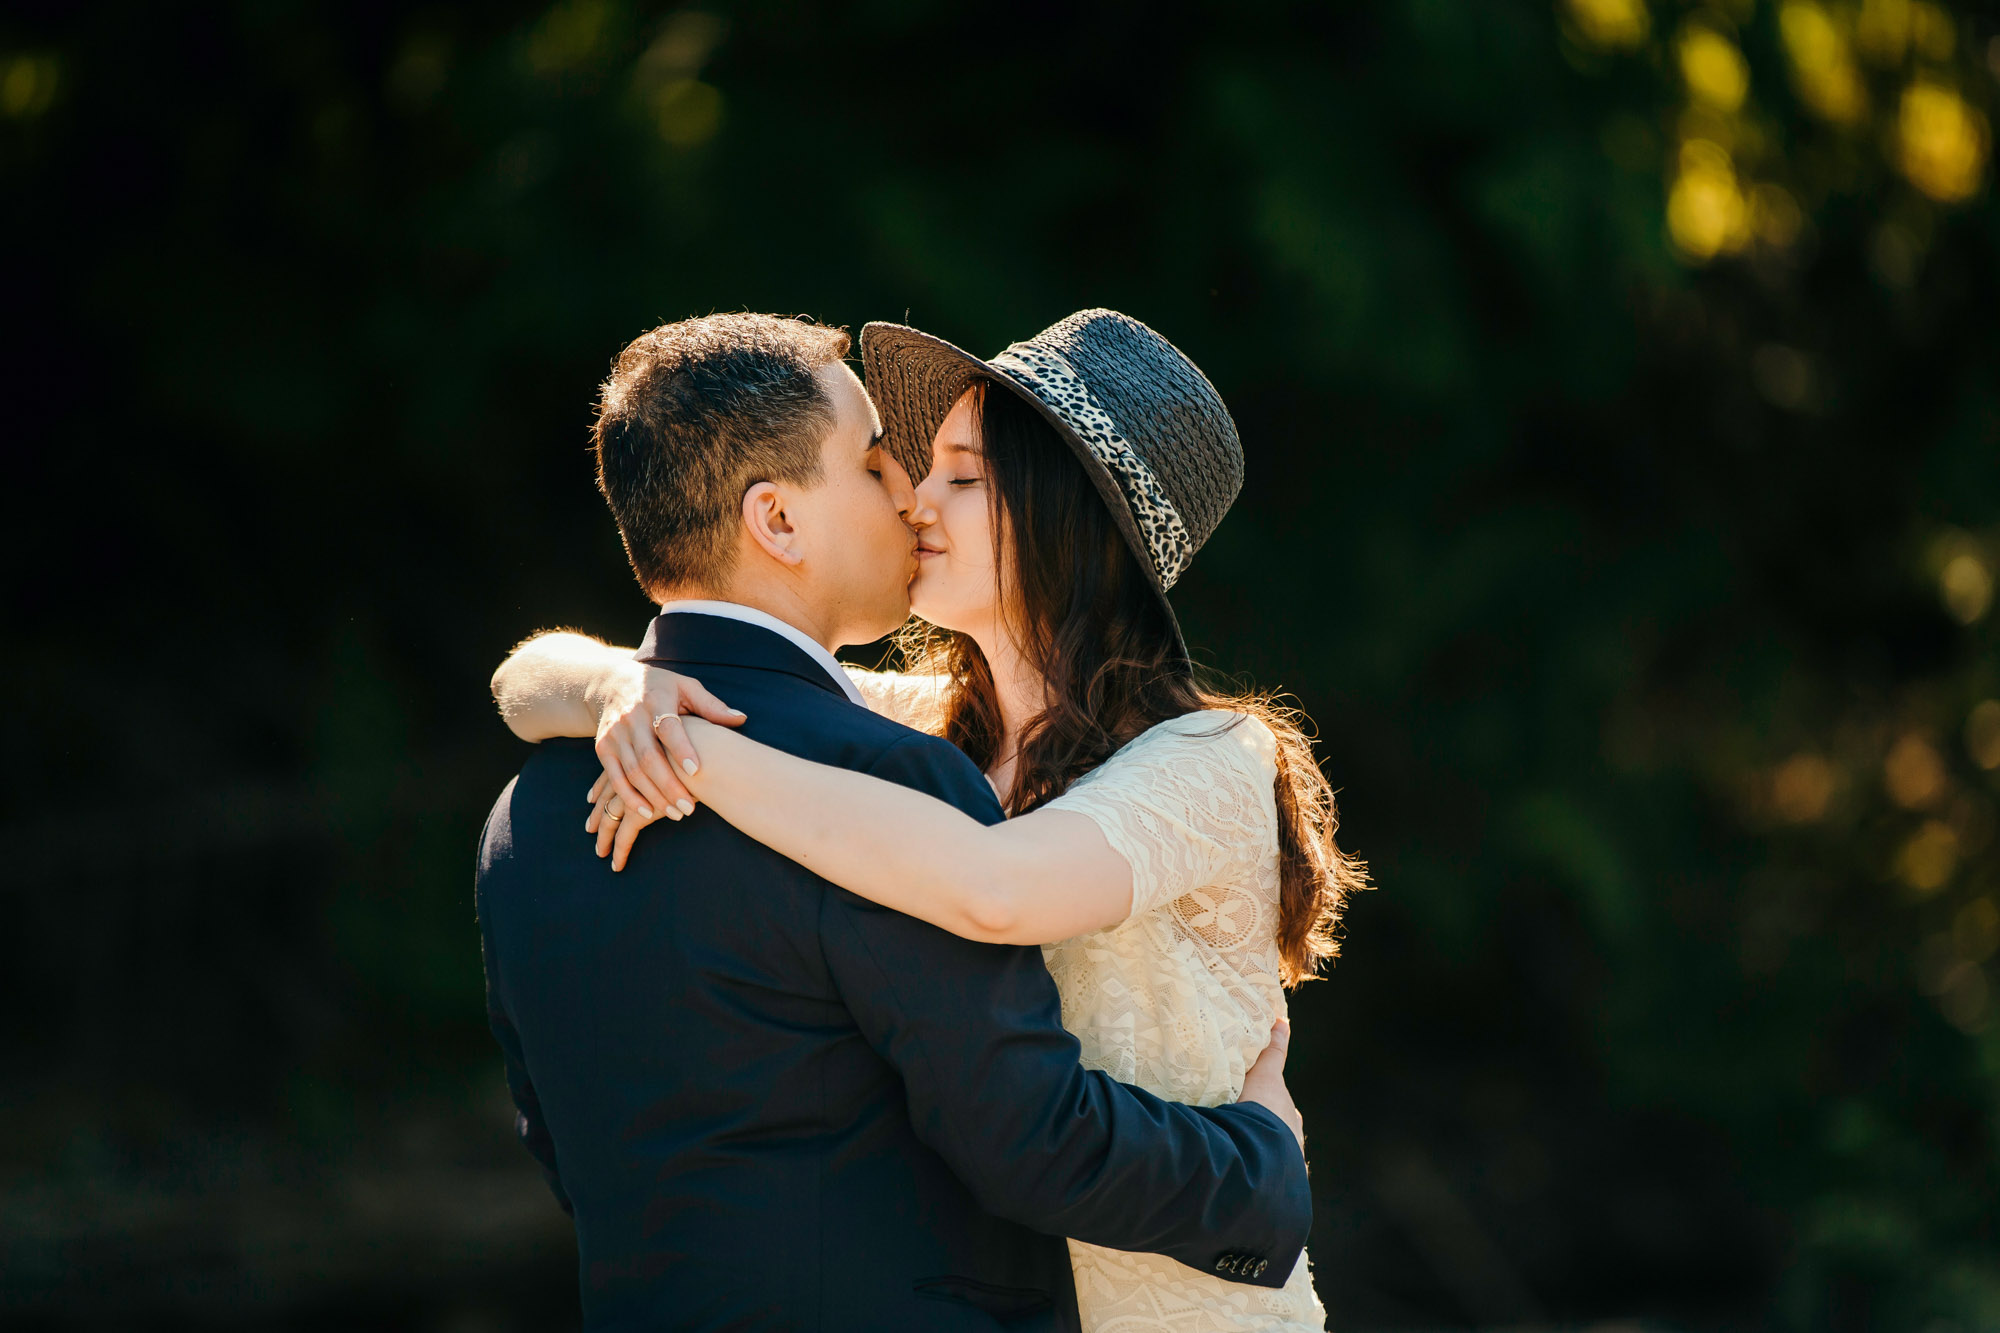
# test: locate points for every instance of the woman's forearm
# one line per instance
(552, 685)
(1035, 880)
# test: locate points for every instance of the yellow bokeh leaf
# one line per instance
(1941, 142)
(1712, 67)
(1707, 213)
(1823, 68)
(27, 86)
(1610, 25)
(1929, 859)
(688, 112)
(1882, 31)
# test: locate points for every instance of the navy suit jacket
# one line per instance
(771, 1104)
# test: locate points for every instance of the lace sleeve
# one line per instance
(914, 701)
(1189, 804)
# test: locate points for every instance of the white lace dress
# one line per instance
(1179, 997)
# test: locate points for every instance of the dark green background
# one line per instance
(1569, 542)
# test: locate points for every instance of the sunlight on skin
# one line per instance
(955, 587)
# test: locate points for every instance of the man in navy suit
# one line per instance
(768, 1103)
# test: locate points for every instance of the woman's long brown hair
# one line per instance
(1089, 621)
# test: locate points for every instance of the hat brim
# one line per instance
(915, 379)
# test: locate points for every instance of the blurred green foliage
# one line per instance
(1624, 502)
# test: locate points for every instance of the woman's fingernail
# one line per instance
(690, 766)
(674, 815)
(737, 712)
(646, 812)
(687, 807)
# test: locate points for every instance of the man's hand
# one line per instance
(1264, 1082)
(640, 739)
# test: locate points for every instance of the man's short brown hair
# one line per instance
(694, 415)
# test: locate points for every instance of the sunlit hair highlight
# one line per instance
(1088, 620)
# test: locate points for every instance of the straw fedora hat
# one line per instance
(1150, 430)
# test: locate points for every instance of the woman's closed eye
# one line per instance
(964, 481)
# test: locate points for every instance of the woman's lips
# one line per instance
(925, 552)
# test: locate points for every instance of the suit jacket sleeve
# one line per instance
(995, 1087)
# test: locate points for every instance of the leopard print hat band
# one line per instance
(1148, 427)
(1045, 373)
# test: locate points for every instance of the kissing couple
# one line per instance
(962, 1004)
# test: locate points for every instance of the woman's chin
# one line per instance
(927, 610)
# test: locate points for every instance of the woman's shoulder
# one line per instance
(1223, 731)
(1189, 802)
(1207, 738)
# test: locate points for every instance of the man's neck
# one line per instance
(780, 603)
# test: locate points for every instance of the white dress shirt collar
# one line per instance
(750, 615)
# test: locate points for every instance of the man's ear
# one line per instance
(769, 526)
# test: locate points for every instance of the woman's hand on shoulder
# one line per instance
(616, 824)
(642, 742)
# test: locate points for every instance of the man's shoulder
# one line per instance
(851, 736)
(894, 740)
(558, 765)
(880, 734)
(934, 765)
(806, 717)
(559, 754)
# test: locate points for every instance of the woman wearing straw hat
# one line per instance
(1169, 845)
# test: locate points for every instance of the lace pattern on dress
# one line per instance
(1179, 997)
